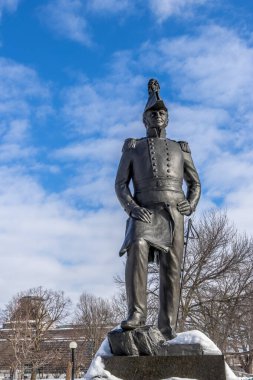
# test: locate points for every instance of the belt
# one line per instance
(157, 205)
(168, 183)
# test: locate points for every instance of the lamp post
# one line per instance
(73, 346)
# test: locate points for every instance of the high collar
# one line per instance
(153, 132)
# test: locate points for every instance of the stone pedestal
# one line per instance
(143, 354)
(197, 367)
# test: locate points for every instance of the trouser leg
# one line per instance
(170, 269)
(169, 292)
(136, 278)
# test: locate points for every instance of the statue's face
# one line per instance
(156, 118)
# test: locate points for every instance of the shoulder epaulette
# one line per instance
(129, 144)
(184, 146)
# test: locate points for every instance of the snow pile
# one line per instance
(194, 337)
(97, 369)
(230, 374)
(104, 349)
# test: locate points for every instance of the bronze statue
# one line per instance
(157, 166)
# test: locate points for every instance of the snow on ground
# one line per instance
(97, 365)
(188, 337)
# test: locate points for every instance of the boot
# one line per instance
(133, 321)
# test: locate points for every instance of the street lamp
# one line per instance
(73, 346)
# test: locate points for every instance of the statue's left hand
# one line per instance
(184, 207)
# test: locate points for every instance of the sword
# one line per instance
(195, 235)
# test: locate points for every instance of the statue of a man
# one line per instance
(157, 166)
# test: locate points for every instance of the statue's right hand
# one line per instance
(141, 213)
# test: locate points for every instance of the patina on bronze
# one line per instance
(157, 167)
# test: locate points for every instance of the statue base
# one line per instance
(197, 367)
(144, 354)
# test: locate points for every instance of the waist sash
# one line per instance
(167, 183)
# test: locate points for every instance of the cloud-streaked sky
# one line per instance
(73, 86)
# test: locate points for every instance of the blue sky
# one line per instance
(73, 80)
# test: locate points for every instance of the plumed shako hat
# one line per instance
(154, 100)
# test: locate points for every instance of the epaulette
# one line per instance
(129, 144)
(184, 146)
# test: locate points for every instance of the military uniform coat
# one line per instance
(157, 167)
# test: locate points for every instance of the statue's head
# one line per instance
(156, 118)
(155, 114)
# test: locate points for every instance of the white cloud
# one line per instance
(47, 238)
(46, 242)
(201, 126)
(67, 19)
(164, 9)
(70, 18)
(214, 67)
(17, 130)
(8, 5)
(22, 94)
(240, 206)
(221, 69)
(111, 106)
(20, 80)
(87, 150)
(90, 109)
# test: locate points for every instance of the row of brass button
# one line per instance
(153, 158)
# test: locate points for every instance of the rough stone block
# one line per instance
(122, 343)
(146, 340)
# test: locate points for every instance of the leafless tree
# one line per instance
(242, 341)
(217, 280)
(30, 315)
(216, 285)
(119, 303)
(96, 316)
